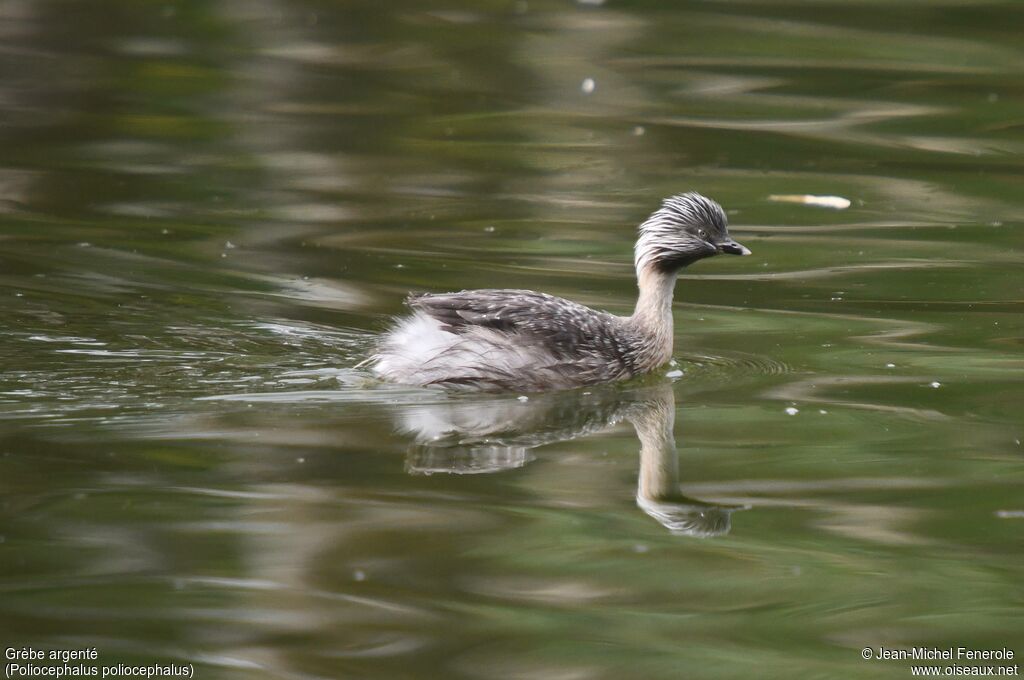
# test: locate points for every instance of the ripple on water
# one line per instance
(735, 364)
(77, 378)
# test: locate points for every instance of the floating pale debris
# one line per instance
(674, 374)
(588, 85)
(792, 410)
(835, 202)
(936, 384)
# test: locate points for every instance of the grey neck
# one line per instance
(653, 315)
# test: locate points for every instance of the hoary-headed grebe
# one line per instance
(527, 341)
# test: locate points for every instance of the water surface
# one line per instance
(207, 210)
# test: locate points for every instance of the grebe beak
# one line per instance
(733, 248)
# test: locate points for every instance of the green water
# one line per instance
(208, 209)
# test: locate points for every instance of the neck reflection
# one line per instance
(464, 437)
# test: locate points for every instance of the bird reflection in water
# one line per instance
(480, 437)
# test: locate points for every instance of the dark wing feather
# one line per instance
(460, 311)
(561, 325)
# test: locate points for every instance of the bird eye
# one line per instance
(702, 233)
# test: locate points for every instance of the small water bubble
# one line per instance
(229, 245)
(792, 410)
(588, 85)
(165, 231)
(489, 228)
(523, 398)
(399, 266)
(674, 374)
(936, 384)
(84, 244)
(639, 131)
(300, 460)
(223, 254)
(890, 365)
(822, 411)
(359, 575)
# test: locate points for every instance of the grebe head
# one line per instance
(686, 228)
